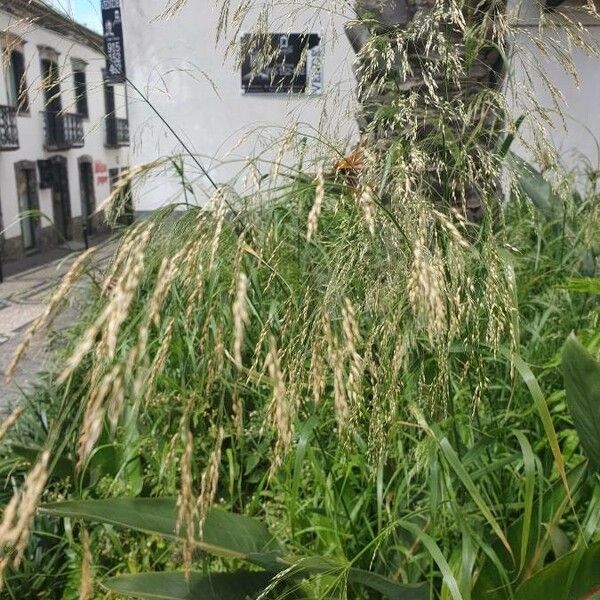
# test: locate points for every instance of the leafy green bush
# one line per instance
(380, 386)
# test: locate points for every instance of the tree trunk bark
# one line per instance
(429, 77)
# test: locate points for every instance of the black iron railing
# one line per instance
(63, 131)
(9, 134)
(117, 132)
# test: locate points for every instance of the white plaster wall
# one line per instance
(574, 117)
(178, 66)
(30, 126)
(175, 63)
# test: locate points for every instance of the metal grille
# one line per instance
(9, 135)
(117, 132)
(63, 131)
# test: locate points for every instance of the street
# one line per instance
(23, 298)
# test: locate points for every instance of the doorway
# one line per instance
(28, 203)
(88, 195)
(61, 199)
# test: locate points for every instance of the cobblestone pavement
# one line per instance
(23, 298)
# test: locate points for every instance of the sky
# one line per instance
(86, 12)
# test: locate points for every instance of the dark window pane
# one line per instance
(18, 82)
(51, 84)
(81, 93)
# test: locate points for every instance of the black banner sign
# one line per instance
(293, 65)
(114, 48)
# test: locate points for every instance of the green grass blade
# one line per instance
(542, 407)
(461, 472)
(438, 557)
(528, 495)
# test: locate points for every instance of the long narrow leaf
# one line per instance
(582, 383)
(542, 407)
(225, 534)
(455, 463)
(174, 586)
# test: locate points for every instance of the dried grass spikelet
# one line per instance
(18, 515)
(315, 211)
(219, 218)
(187, 512)
(10, 421)
(86, 586)
(426, 289)
(166, 274)
(366, 204)
(237, 409)
(115, 206)
(352, 337)
(452, 229)
(108, 323)
(123, 251)
(123, 294)
(336, 360)
(107, 391)
(159, 360)
(240, 317)
(317, 373)
(280, 410)
(137, 360)
(209, 482)
(47, 317)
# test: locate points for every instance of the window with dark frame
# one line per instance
(81, 99)
(17, 81)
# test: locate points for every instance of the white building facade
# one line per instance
(182, 75)
(63, 129)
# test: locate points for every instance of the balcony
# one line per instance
(9, 135)
(117, 132)
(63, 131)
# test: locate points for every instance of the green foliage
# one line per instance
(582, 383)
(459, 469)
(225, 534)
(175, 586)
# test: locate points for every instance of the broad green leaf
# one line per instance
(575, 576)
(174, 586)
(582, 383)
(225, 534)
(63, 467)
(534, 185)
(500, 571)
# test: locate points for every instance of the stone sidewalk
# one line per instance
(23, 298)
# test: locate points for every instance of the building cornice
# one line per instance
(45, 17)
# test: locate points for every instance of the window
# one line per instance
(51, 85)
(17, 82)
(80, 87)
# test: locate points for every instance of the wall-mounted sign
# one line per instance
(293, 63)
(114, 48)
